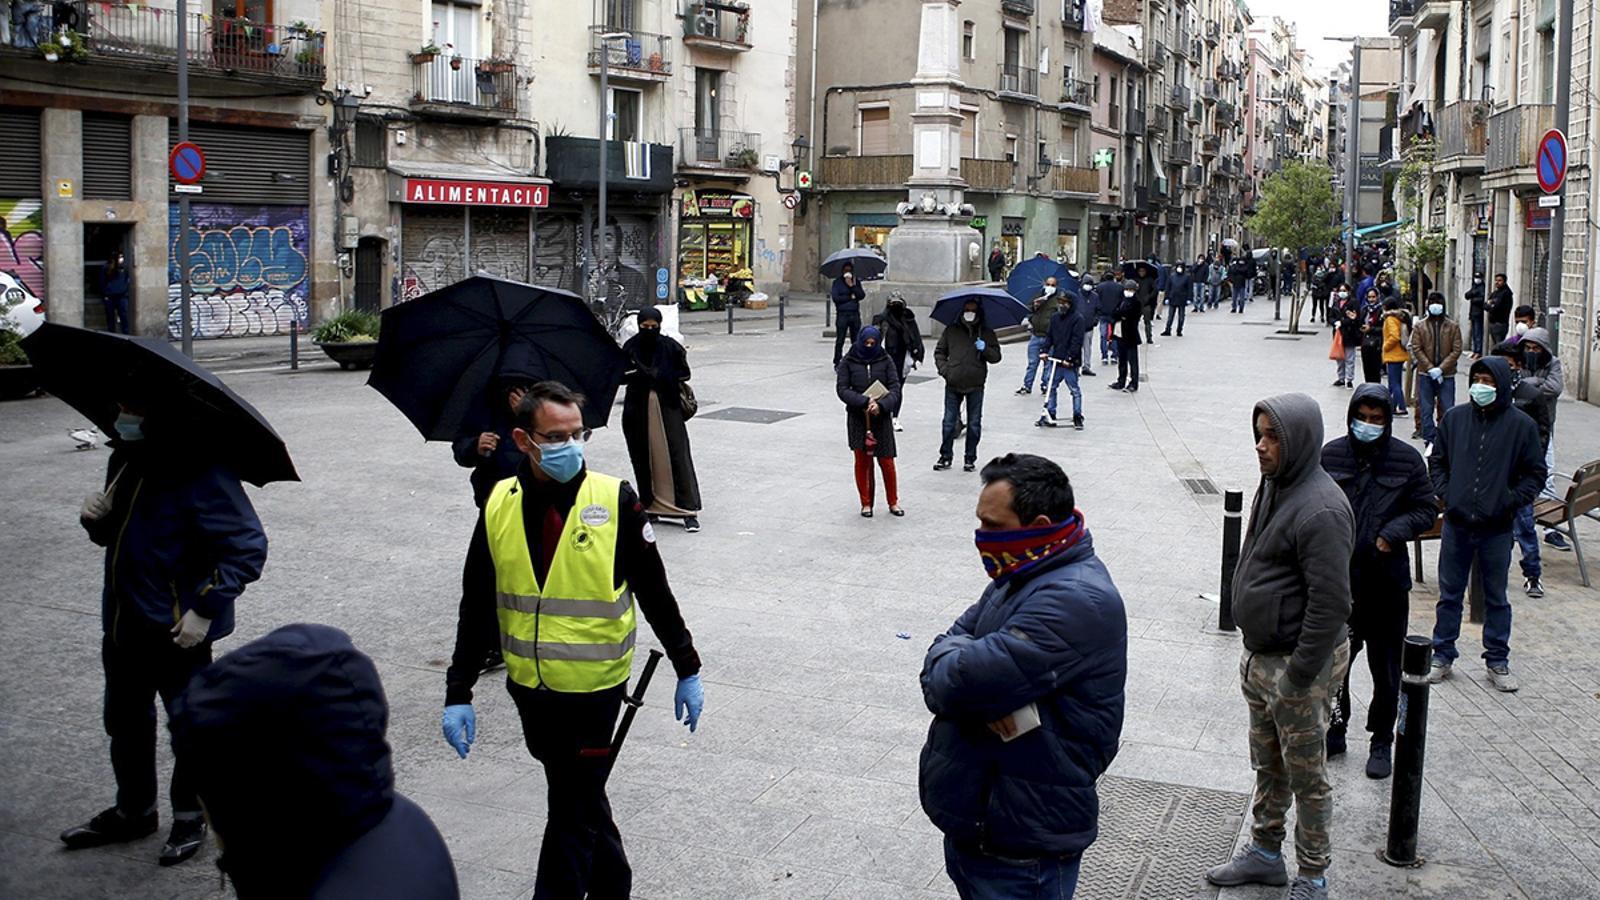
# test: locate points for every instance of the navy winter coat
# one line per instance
(1487, 462)
(1107, 297)
(284, 740)
(847, 297)
(1057, 637)
(1180, 288)
(1066, 335)
(181, 535)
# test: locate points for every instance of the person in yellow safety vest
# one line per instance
(556, 561)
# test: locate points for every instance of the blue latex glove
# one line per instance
(687, 703)
(460, 727)
(979, 345)
(1436, 373)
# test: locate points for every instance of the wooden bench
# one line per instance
(1561, 515)
(1432, 534)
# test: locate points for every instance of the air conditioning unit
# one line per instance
(705, 23)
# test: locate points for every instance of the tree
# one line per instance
(1297, 209)
(1420, 246)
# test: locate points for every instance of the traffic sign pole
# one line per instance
(185, 315)
(1558, 216)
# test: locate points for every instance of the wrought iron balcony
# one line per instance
(989, 175)
(717, 149)
(1072, 14)
(1159, 120)
(1075, 180)
(1157, 57)
(1183, 151)
(1513, 136)
(1020, 81)
(1213, 33)
(1180, 97)
(1400, 15)
(1077, 94)
(640, 56)
(459, 87)
(1135, 120)
(1462, 129)
(717, 25)
(1023, 8)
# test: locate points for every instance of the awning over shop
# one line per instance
(431, 183)
(1373, 230)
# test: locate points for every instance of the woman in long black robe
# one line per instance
(652, 422)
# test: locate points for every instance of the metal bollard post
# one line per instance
(1405, 801)
(827, 314)
(730, 318)
(1232, 528)
(294, 345)
(782, 306)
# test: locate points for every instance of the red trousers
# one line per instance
(864, 478)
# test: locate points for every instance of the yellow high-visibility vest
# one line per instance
(575, 632)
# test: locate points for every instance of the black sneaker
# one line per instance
(691, 524)
(186, 839)
(941, 465)
(1556, 541)
(1336, 742)
(1116, 386)
(1024, 390)
(1045, 422)
(969, 467)
(1379, 763)
(1089, 373)
(1077, 422)
(110, 827)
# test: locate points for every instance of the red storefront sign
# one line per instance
(476, 193)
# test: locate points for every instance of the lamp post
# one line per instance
(1352, 187)
(599, 252)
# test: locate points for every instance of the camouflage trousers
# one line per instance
(1288, 750)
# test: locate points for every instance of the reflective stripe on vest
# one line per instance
(574, 633)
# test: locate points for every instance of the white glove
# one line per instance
(1436, 373)
(95, 506)
(190, 630)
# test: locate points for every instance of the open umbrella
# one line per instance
(438, 355)
(868, 265)
(91, 371)
(1000, 309)
(1027, 279)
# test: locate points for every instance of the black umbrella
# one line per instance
(867, 264)
(439, 355)
(92, 371)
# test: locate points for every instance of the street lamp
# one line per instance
(1352, 189)
(599, 252)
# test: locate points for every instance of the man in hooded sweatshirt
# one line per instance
(1062, 359)
(1180, 288)
(1538, 381)
(285, 737)
(182, 541)
(962, 357)
(1486, 465)
(1391, 498)
(1291, 600)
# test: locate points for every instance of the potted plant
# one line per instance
(743, 158)
(306, 57)
(495, 66)
(350, 338)
(428, 53)
(16, 373)
(50, 50)
(300, 28)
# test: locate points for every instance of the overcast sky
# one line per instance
(1317, 19)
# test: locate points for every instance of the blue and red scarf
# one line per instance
(1014, 551)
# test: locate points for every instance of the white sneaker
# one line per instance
(1500, 676)
(1438, 672)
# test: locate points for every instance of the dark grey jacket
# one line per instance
(1291, 591)
(964, 367)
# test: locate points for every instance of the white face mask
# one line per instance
(1522, 328)
(1127, 293)
(1049, 290)
(1436, 309)
(969, 316)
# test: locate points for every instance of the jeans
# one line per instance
(142, 664)
(1428, 392)
(1036, 345)
(979, 876)
(116, 313)
(571, 735)
(1128, 364)
(1062, 372)
(1344, 369)
(1088, 350)
(846, 327)
(1397, 385)
(952, 415)
(1240, 296)
(1108, 343)
(1477, 336)
(1180, 310)
(1459, 545)
(1527, 538)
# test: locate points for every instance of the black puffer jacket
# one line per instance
(1488, 462)
(958, 360)
(1390, 495)
(856, 373)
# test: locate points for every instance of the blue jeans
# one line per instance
(1108, 345)
(1477, 335)
(1240, 296)
(1062, 372)
(952, 415)
(1397, 385)
(978, 876)
(1527, 538)
(1428, 391)
(116, 313)
(1458, 547)
(1036, 345)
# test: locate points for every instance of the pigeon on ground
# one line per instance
(86, 438)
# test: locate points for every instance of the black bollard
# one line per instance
(294, 345)
(730, 317)
(782, 308)
(1405, 802)
(1232, 528)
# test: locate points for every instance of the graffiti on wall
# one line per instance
(22, 243)
(432, 242)
(560, 261)
(249, 270)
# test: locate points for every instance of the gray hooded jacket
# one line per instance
(1291, 591)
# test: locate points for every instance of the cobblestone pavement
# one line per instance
(802, 779)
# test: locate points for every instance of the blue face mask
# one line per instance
(1365, 432)
(1483, 394)
(561, 461)
(130, 427)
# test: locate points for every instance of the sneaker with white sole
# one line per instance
(1439, 671)
(1532, 587)
(1307, 889)
(1500, 676)
(1556, 541)
(1250, 866)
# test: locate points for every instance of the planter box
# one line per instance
(17, 381)
(353, 355)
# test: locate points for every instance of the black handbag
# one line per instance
(687, 401)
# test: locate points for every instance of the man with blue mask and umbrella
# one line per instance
(963, 356)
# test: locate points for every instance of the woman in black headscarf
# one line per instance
(653, 423)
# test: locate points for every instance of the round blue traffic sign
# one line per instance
(187, 163)
(1552, 161)
(661, 292)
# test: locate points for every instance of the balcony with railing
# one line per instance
(1209, 91)
(717, 25)
(1072, 14)
(1213, 33)
(1179, 97)
(864, 172)
(1227, 113)
(1159, 120)
(1513, 142)
(1463, 129)
(729, 151)
(1157, 57)
(1210, 146)
(1141, 197)
(1018, 81)
(451, 86)
(1181, 38)
(1136, 120)
(1077, 96)
(1183, 151)
(1194, 176)
(118, 37)
(1197, 112)
(1401, 13)
(989, 175)
(638, 56)
(574, 163)
(1075, 180)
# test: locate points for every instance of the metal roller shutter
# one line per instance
(107, 157)
(252, 165)
(21, 175)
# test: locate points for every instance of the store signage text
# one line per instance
(476, 193)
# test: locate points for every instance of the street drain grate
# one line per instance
(1281, 337)
(746, 414)
(920, 379)
(1157, 840)
(1200, 485)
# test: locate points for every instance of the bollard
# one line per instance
(294, 345)
(1232, 527)
(1405, 801)
(782, 304)
(827, 314)
(730, 318)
